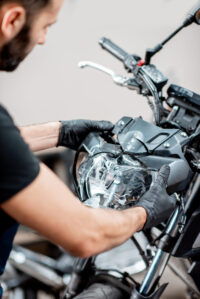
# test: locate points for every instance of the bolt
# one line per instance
(121, 123)
(166, 145)
(183, 134)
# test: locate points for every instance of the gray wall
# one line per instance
(49, 86)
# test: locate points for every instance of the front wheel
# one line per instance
(102, 291)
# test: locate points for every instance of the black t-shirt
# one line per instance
(18, 168)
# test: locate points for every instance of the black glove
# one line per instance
(73, 132)
(157, 203)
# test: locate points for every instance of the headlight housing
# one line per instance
(108, 181)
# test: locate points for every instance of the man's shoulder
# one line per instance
(4, 111)
(18, 165)
(5, 118)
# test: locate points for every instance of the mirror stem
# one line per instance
(151, 52)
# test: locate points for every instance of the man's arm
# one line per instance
(49, 207)
(40, 137)
(70, 133)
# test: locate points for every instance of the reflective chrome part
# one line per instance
(160, 260)
(83, 64)
(118, 79)
(3, 286)
(36, 257)
(183, 134)
(173, 221)
(172, 113)
(151, 87)
(39, 272)
(166, 144)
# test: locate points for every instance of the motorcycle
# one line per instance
(114, 171)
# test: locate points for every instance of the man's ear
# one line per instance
(13, 20)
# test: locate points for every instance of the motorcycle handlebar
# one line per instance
(128, 60)
(113, 49)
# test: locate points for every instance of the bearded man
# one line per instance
(30, 193)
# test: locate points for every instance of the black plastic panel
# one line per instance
(181, 92)
(185, 245)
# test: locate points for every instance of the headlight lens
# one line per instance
(107, 181)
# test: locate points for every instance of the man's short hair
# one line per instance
(31, 6)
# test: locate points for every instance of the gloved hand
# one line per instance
(73, 132)
(157, 203)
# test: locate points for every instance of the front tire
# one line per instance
(102, 291)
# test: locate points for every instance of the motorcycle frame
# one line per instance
(147, 289)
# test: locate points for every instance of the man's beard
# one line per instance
(15, 51)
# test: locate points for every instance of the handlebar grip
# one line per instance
(113, 49)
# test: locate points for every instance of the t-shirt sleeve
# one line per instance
(18, 166)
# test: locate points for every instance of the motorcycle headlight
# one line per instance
(114, 182)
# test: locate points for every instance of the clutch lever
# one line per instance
(117, 79)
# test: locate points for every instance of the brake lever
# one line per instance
(117, 79)
(132, 84)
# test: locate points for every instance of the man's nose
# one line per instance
(42, 38)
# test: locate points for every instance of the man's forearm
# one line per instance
(112, 228)
(40, 137)
(49, 207)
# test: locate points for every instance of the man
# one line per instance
(29, 192)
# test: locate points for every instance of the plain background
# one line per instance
(49, 86)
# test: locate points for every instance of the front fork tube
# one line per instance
(82, 269)
(159, 261)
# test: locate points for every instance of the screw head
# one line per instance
(166, 144)
(183, 134)
(121, 123)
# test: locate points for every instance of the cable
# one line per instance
(141, 251)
